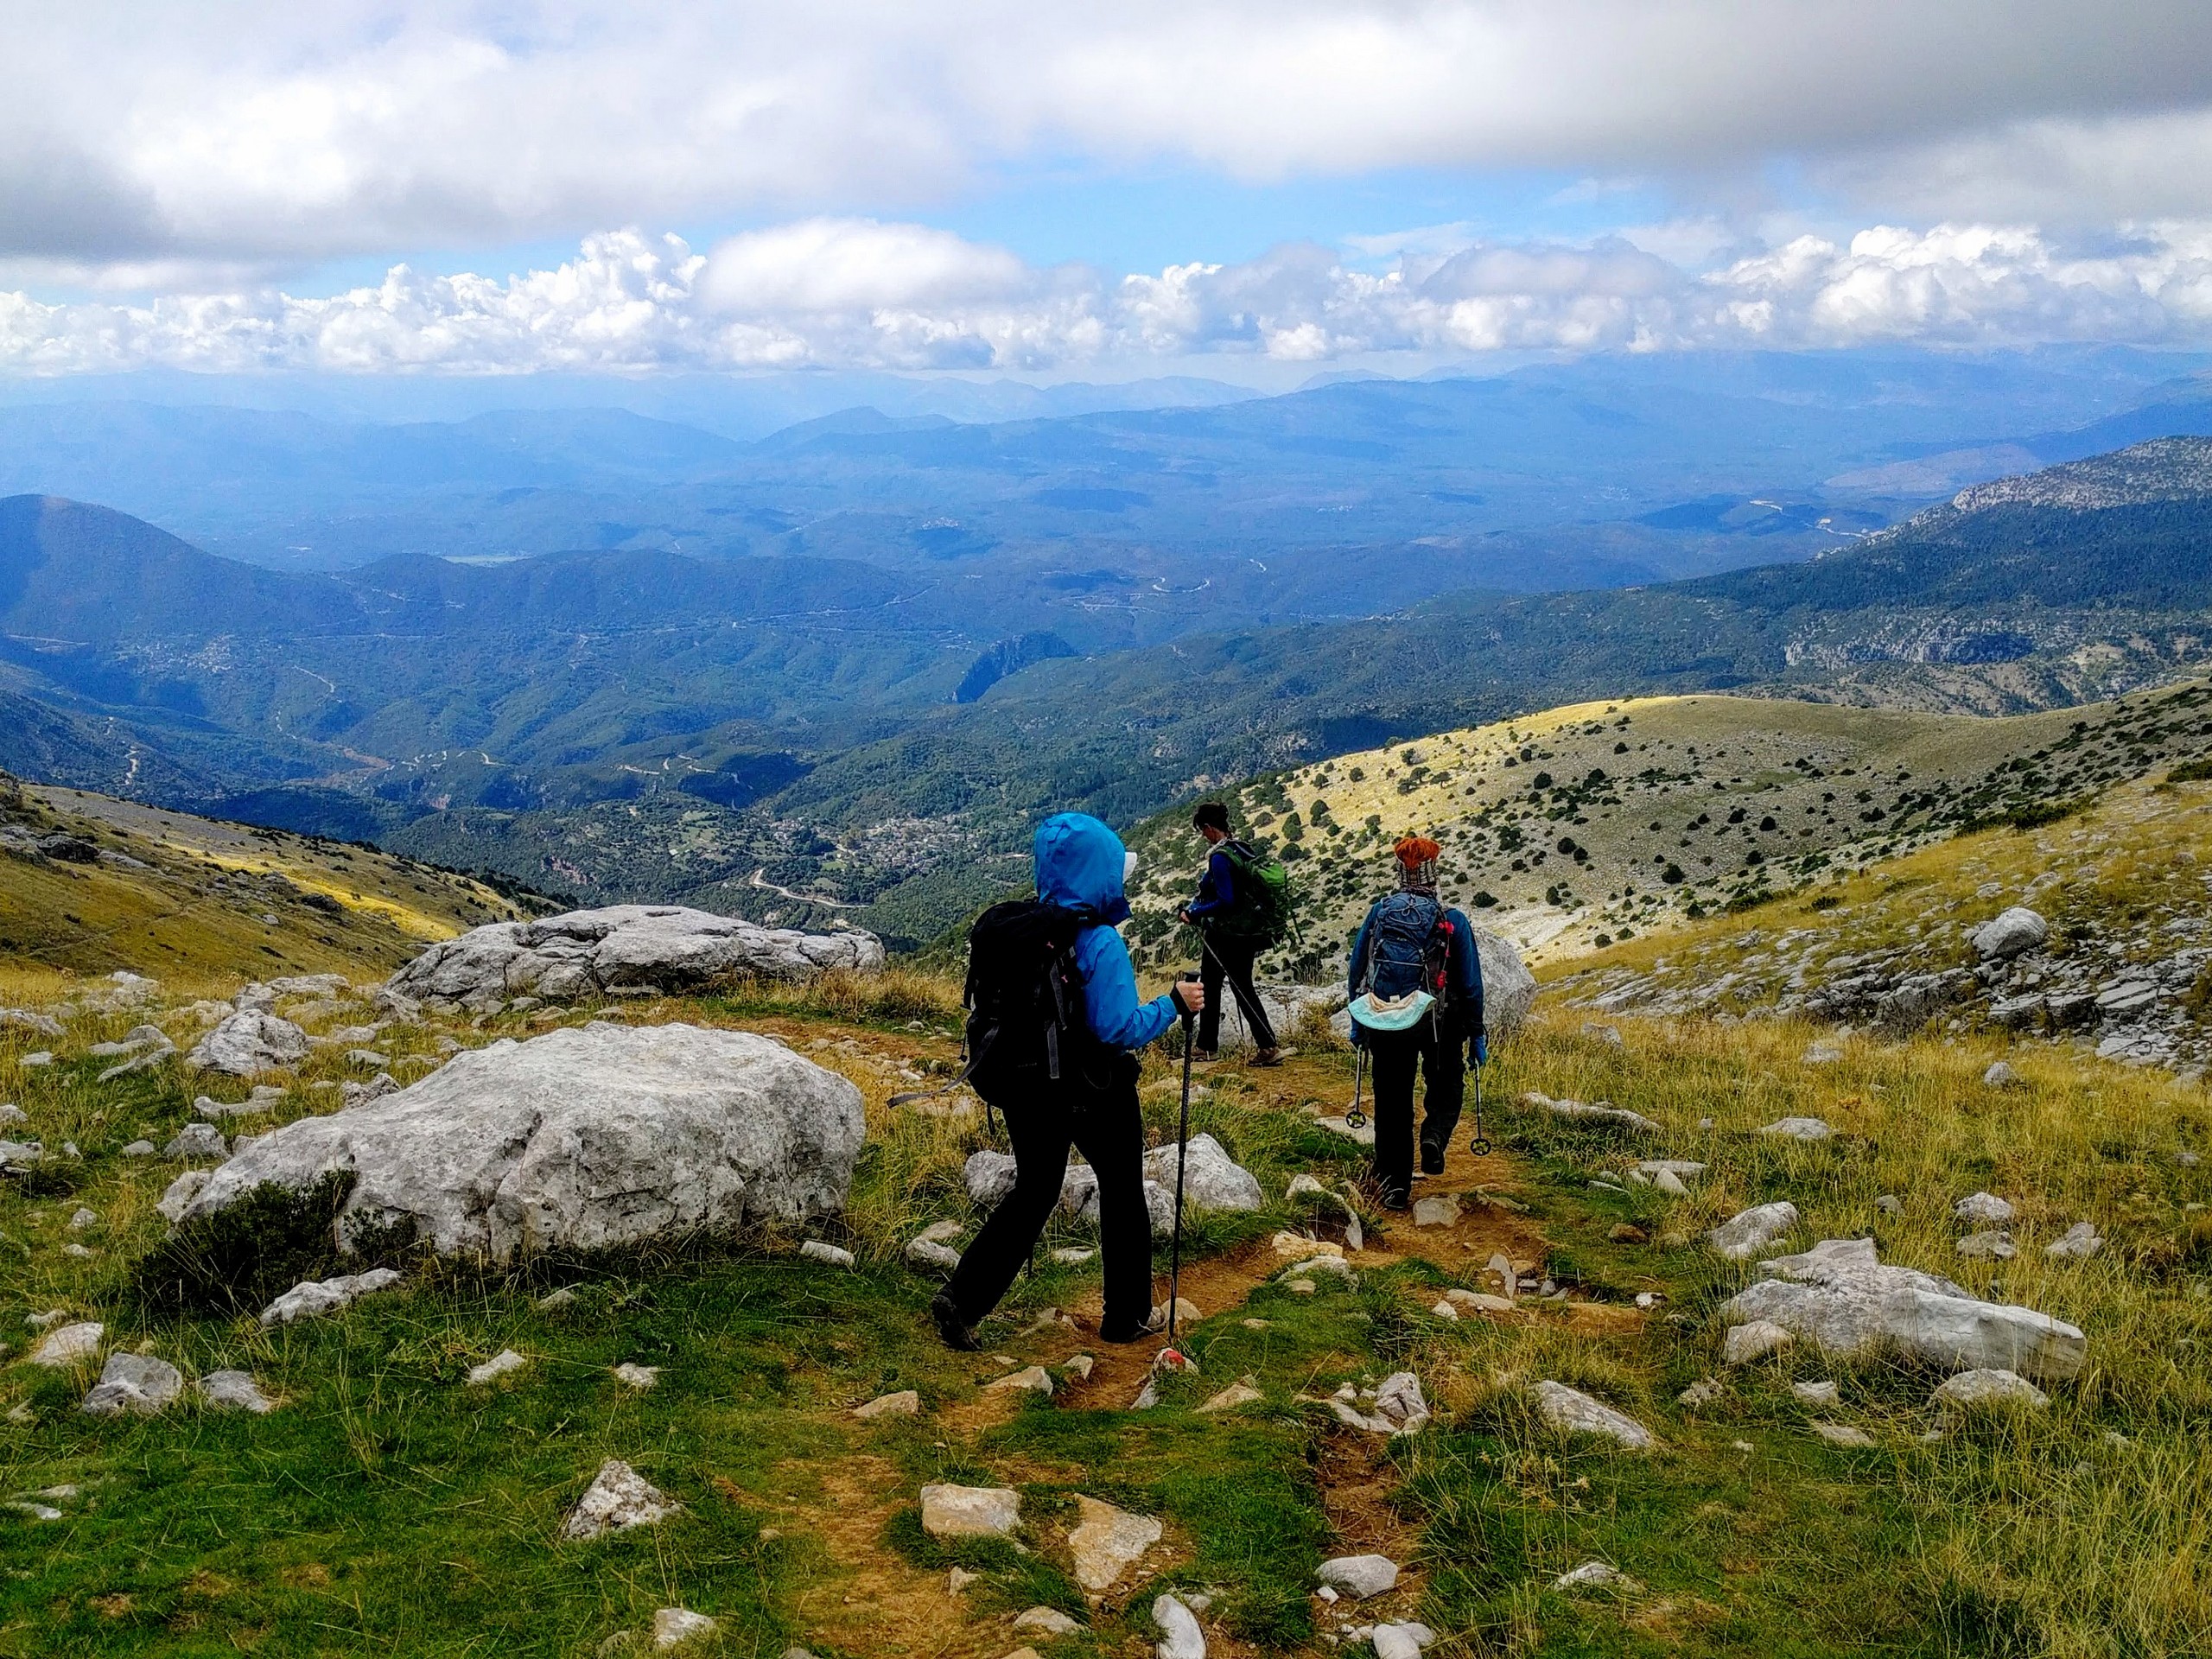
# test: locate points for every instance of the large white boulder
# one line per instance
(1747, 1232)
(1839, 1297)
(250, 1041)
(579, 1139)
(2013, 933)
(588, 953)
(1211, 1179)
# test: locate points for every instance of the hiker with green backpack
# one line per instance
(1240, 910)
(1416, 987)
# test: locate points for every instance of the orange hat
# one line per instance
(1416, 850)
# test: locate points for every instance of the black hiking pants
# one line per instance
(1395, 1057)
(1233, 960)
(1107, 1126)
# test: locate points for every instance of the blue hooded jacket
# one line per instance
(1079, 864)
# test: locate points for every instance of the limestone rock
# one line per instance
(2000, 1075)
(235, 1391)
(1984, 1208)
(1991, 1246)
(137, 1383)
(580, 1139)
(1798, 1128)
(1839, 1296)
(586, 953)
(181, 1192)
(1604, 1112)
(641, 1377)
(2014, 933)
(1969, 1389)
(1844, 1435)
(1508, 988)
(1817, 1393)
(928, 1253)
(197, 1141)
(497, 1366)
(1106, 1542)
(1574, 1412)
(1358, 1576)
(1745, 1343)
(989, 1177)
(1703, 1392)
(674, 1627)
(905, 1403)
(618, 1498)
(68, 1345)
(313, 1297)
(1045, 1621)
(1442, 1210)
(1744, 1234)
(828, 1254)
(1237, 1393)
(249, 1041)
(1180, 1636)
(1032, 1379)
(1594, 1575)
(950, 1511)
(1401, 1639)
(140, 1149)
(1211, 1179)
(2078, 1243)
(1399, 1398)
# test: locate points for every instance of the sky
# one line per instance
(1089, 191)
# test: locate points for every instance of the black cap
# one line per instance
(1213, 815)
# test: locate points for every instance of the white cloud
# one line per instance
(252, 130)
(874, 295)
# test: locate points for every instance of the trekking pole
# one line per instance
(1480, 1145)
(1355, 1118)
(1182, 1147)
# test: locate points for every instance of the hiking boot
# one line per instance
(1432, 1158)
(1268, 1057)
(1395, 1198)
(955, 1331)
(1203, 1057)
(1133, 1331)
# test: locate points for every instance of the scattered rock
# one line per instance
(1969, 1389)
(1211, 1179)
(1045, 1621)
(1072, 1258)
(2078, 1243)
(1986, 1208)
(2013, 933)
(1240, 1392)
(1603, 1112)
(640, 1377)
(1798, 1128)
(1442, 1210)
(1181, 1638)
(674, 1627)
(905, 1403)
(172, 1204)
(618, 1498)
(235, 1391)
(249, 1041)
(1575, 1411)
(497, 1366)
(1702, 1393)
(928, 1253)
(1106, 1542)
(1669, 1183)
(1482, 1301)
(1402, 1640)
(580, 1139)
(68, 1345)
(1186, 1315)
(1595, 1575)
(1627, 1232)
(1991, 1246)
(950, 1511)
(1079, 1367)
(81, 1218)
(829, 1254)
(1821, 1053)
(137, 1383)
(25, 1020)
(586, 953)
(1889, 1204)
(141, 1149)
(989, 1177)
(1840, 1297)
(311, 1298)
(1359, 1576)
(1398, 1398)
(2000, 1075)
(1032, 1379)
(1817, 1393)
(554, 1300)
(1843, 1434)
(198, 1141)
(1744, 1234)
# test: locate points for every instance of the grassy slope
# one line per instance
(194, 915)
(1738, 798)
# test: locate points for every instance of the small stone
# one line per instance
(1240, 1392)
(1702, 1393)
(1443, 1310)
(2000, 1075)
(1889, 1204)
(1986, 1208)
(674, 1627)
(1480, 1301)
(1798, 1128)
(137, 1383)
(1442, 1210)
(1079, 1367)
(1624, 1232)
(2078, 1243)
(311, 1298)
(554, 1300)
(640, 1377)
(1358, 1576)
(1821, 1053)
(815, 1250)
(197, 1141)
(47, 1320)
(1843, 1434)
(1744, 1234)
(1969, 1389)
(959, 1579)
(141, 1149)
(68, 1345)
(236, 1391)
(1187, 1314)
(905, 1403)
(81, 1218)
(618, 1498)
(1753, 1341)
(1178, 1628)
(1070, 1257)
(1033, 1379)
(951, 1511)
(1991, 1246)
(1302, 1286)
(1669, 1183)
(928, 1253)
(1817, 1393)
(1255, 1324)
(1576, 1413)
(1045, 1621)
(1106, 1542)
(1595, 1575)
(497, 1366)
(1403, 1639)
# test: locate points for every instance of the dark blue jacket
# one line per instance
(1217, 891)
(1079, 864)
(1462, 968)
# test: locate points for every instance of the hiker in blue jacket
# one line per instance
(1081, 864)
(1229, 953)
(1416, 986)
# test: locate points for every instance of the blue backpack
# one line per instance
(1407, 948)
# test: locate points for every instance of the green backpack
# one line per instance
(1260, 910)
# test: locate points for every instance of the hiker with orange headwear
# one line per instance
(1417, 1009)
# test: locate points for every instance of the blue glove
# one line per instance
(1482, 1049)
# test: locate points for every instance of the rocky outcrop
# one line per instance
(1839, 1296)
(622, 948)
(579, 1139)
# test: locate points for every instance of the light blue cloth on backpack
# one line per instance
(1394, 1014)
